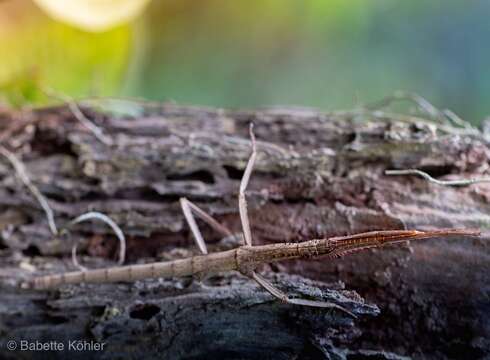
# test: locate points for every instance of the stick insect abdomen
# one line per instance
(195, 265)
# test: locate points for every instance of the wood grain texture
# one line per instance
(317, 175)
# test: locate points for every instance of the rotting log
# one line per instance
(317, 175)
(227, 317)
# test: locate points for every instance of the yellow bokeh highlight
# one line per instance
(93, 15)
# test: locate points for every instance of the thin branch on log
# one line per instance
(461, 182)
(22, 174)
(79, 115)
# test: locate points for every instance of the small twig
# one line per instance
(104, 218)
(263, 145)
(80, 116)
(462, 182)
(447, 120)
(422, 103)
(22, 174)
(457, 120)
(389, 117)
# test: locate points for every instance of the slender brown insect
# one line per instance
(247, 257)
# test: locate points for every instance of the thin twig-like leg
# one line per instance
(106, 219)
(304, 302)
(242, 201)
(187, 208)
(74, 259)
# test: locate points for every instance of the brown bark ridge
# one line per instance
(317, 175)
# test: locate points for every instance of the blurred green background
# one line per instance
(329, 54)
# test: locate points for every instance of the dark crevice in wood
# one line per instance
(144, 311)
(202, 175)
(233, 173)
(31, 251)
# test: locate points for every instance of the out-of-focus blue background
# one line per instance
(328, 54)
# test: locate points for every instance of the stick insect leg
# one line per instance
(106, 219)
(242, 201)
(304, 302)
(188, 208)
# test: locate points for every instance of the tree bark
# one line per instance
(316, 175)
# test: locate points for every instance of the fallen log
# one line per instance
(317, 175)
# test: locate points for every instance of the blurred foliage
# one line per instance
(324, 53)
(22, 90)
(38, 51)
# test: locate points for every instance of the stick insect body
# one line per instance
(247, 257)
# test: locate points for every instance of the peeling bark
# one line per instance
(317, 175)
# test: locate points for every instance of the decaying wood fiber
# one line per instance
(317, 175)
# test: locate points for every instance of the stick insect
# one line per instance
(246, 258)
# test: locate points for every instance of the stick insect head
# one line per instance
(349, 244)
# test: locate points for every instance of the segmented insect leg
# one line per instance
(303, 302)
(94, 215)
(242, 201)
(188, 208)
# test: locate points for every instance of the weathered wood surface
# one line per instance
(316, 175)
